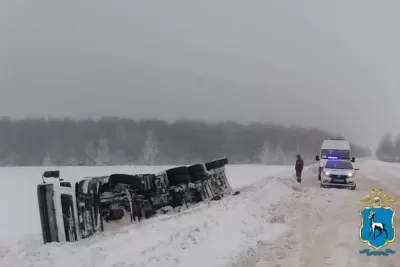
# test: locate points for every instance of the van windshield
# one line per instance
(338, 153)
(343, 165)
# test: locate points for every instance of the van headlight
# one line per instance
(327, 173)
(350, 174)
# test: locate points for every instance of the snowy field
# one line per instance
(197, 238)
(273, 222)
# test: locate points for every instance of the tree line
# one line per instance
(120, 141)
(389, 148)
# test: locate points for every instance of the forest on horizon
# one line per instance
(389, 148)
(121, 141)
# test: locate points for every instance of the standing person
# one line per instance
(299, 167)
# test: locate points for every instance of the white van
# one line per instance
(333, 149)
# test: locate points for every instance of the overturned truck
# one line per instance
(71, 211)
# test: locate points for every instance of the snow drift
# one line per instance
(210, 234)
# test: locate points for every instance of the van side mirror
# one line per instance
(317, 158)
(353, 159)
(356, 169)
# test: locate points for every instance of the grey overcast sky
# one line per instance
(332, 64)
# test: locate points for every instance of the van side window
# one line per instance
(67, 205)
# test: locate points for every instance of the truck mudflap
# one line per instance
(346, 185)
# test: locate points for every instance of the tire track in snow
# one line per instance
(323, 229)
(310, 207)
(318, 242)
(347, 244)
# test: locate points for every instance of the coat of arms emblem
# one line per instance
(377, 228)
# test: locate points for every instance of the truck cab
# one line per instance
(75, 210)
(57, 207)
(333, 149)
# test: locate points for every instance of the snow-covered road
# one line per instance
(273, 222)
(323, 223)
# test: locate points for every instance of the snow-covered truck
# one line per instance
(74, 210)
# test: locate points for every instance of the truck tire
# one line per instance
(224, 160)
(177, 171)
(179, 179)
(178, 175)
(198, 176)
(196, 168)
(197, 172)
(213, 165)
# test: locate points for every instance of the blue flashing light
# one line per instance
(333, 158)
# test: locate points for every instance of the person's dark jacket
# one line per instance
(299, 165)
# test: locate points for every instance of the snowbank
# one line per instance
(208, 235)
(380, 170)
(384, 173)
